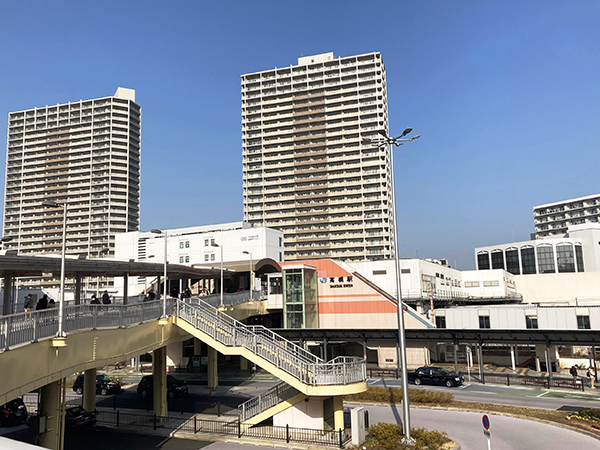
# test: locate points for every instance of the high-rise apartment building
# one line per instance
(85, 154)
(306, 168)
(553, 219)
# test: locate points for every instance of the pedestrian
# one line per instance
(151, 296)
(51, 303)
(42, 304)
(105, 298)
(573, 371)
(28, 304)
(95, 300)
(592, 376)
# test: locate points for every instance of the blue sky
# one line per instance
(504, 94)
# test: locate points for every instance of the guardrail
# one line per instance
(285, 355)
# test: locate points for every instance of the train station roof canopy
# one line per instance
(32, 266)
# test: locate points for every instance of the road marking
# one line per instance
(542, 394)
(464, 386)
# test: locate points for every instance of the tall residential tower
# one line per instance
(85, 154)
(306, 168)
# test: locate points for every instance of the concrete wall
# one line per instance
(305, 414)
(560, 288)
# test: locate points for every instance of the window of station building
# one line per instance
(205, 257)
(484, 322)
(483, 261)
(565, 258)
(404, 270)
(212, 242)
(380, 272)
(206, 242)
(180, 259)
(181, 244)
(512, 261)
(440, 321)
(490, 283)
(545, 256)
(531, 322)
(528, 260)
(187, 244)
(497, 259)
(471, 284)
(187, 259)
(212, 257)
(275, 286)
(579, 257)
(583, 322)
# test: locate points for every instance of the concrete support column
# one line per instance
(512, 357)
(78, 289)
(8, 290)
(159, 371)
(197, 346)
(243, 364)
(125, 288)
(456, 355)
(50, 406)
(338, 412)
(89, 390)
(548, 363)
(480, 360)
(213, 373)
(325, 342)
(539, 352)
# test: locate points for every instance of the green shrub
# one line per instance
(590, 414)
(386, 436)
(394, 395)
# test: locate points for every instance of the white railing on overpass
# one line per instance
(28, 327)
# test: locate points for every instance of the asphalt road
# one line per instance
(502, 395)
(507, 433)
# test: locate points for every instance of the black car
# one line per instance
(76, 417)
(13, 413)
(435, 375)
(104, 385)
(175, 387)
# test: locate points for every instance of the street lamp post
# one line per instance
(61, 305)
(391, 142)
(164, 305)
(217, 245)
(105, 249)
(251, 272)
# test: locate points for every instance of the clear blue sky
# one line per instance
(504, 93)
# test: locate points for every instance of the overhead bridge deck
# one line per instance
(31, 356)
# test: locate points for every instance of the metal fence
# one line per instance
(196, 425)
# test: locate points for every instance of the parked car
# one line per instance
(104, 385)
(175, 387)
(13, 413)
(435, 375)
(76, 417)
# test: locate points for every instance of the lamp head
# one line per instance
(405, 132)
(156, 231)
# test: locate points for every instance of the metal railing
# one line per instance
(194, 425)
(285, 355)
(229, 299)
(272, 397)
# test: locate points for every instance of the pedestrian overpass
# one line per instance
(32, 356)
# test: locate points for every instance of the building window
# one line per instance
(205, 257)
(528, 260)
(280, 257)
(181, 244)
(579, 257)
(380, 272)
(583, 322)
(187, 259)
(206, 242)
(281, 242)
(484, 322)
(545, 256)
(180, 259)
(531, 322)
(483, 261)
(275, 286)
(440, 321)
(491, 283)
(187, 244)
(565, 258)
(404, 270)
(471, 284)
(497, 259)
(512, 261)
(212, 242)
(212, 257)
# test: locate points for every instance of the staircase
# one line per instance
(267, 404)
(301, 369)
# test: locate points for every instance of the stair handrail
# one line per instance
(285, 355)
(271, 397)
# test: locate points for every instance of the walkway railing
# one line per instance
(24, 328)
(229, 299)
(272, 397)
(285, 355)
